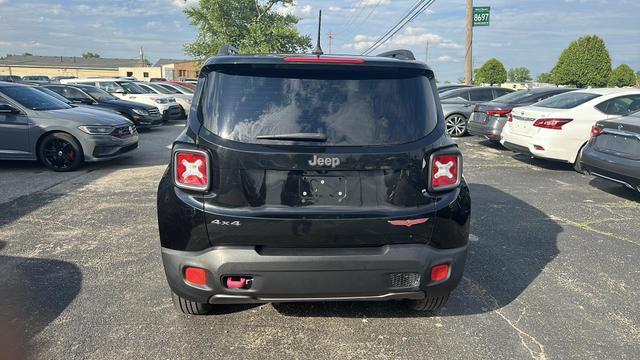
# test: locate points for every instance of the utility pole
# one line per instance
(468, 56)
(331, 35)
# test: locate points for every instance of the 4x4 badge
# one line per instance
(408, 223)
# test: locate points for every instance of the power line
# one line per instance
(373, 10)
(356, 14)
(418, 8)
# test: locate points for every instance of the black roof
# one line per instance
(67, 62)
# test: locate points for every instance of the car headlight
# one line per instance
(141, 112)
(161, 100)
(96, 130)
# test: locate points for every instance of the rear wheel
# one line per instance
(430, 303)
(456, 125)
(60, 152)
(190, 307)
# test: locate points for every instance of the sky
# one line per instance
(522, 32)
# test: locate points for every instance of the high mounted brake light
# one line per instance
(554, 124)
(191, 169)
(445, 171)
(327, 60)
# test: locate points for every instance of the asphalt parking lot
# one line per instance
(552, 272)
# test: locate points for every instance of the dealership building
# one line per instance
(51, 66)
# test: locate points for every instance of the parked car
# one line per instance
(559, 127)
(182, 99)
(314, 178)
(56, 79)
(613, 152)
(489, 118)
(142, 115)
(183, 84)
(10, 78)
(36, 126)
(157, 79)
(190, 81)
(40, 79)
(129, 90)
(443, 88)
(458, 105)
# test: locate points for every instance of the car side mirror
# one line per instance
(119, 91)
(86, 101)
(8, 109)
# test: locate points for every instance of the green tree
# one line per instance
(586, 62)
(251, 25)
(622, 76)
(90, 55)
(545, 78)
(492, 72)
(638, 78)
(27, 54)
(519, 75)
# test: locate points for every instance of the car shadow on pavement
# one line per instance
(615, 189)
(510, 245)
(34, 292)
(543, 163)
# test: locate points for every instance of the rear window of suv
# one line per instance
(567, 100)
(351, 107)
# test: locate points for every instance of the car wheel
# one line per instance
(60, 152)
(456, 125)
(190, 307)
(430, 303)
(577, 166)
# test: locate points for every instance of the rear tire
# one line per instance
(190, 307)
(577, 166)
(429, 304)
(456, 125)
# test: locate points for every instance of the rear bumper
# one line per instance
(544, 144)
(314, 274)
(611, 167)
(491, 129)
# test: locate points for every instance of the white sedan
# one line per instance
(558, 128)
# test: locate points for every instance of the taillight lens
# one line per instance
(498, 113)
(191, 169)
(554, 124)
(596, 131)
(509, 117)
(445, 171)
(326, 60)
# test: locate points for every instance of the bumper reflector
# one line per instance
(195, 276)
(439, 272)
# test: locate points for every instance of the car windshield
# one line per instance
(99, 94)
(160, 89)
(33, 99)
(514, 97)
(170, 89)
(567, 100)
(54, 94)
(185, 89)
(345, 107)
(131, 88)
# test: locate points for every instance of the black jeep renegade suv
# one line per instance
(314, 178)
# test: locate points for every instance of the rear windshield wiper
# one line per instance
(295, 137)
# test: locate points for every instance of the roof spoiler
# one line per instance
(400, 54)
(227, 50)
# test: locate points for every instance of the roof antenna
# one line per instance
(318, 49)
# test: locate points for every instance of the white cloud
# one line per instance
(367, 3)
(443, 58)
(185, 3)
(295, 10)
(360, 37)
(331, 8)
